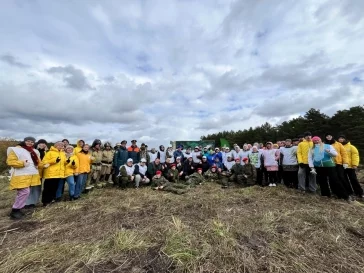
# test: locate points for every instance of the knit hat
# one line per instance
(213, 167)
(328, 134)
(237, 159)
(245, 159)
(129, 160)
(315, 138)
(173, 165)
(42, 141)
(29, 138)
(158, 172)
(305, 134)
(199, 169)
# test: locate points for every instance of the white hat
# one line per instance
(143, 160)
(129, 160)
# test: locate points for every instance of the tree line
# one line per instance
(347, 122)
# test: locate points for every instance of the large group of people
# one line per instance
(300, 163)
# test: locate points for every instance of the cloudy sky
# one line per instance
(161, 70)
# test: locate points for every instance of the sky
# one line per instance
(158, 70)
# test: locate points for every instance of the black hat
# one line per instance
(42, 141)
(124, 142)
(143, 144)
(328, 134)
(341, 136)
(133, 141)
(307, 134)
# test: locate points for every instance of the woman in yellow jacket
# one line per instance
(70, 169)
(80, 144)
(24, 161)
(85, 160)
(54, 164)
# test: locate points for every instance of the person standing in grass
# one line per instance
(84, 161)
(24, 161)
(54, 166)
(289, 164)
(70, 169)
(321, 160)
(36, 191)
(302, 158)
(270, 158)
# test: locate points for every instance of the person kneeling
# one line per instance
(126, 175)
(159, 182)
(249, 173)
(140, 172)
(195, 178)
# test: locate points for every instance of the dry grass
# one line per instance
(205, 230)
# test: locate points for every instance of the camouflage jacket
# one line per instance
(210, 176)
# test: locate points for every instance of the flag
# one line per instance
(224, 142)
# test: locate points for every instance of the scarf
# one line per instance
(42, 153)
(32, 154)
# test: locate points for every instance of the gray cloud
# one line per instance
(11, 60)
(73, 77)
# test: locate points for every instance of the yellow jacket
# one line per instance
(21, 181)
(84, 163)
(55, 170)
(302, 151)
(71, 169)
(78, 148)
(342, 156)
(353, 155)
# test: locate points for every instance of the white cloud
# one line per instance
(167, 70)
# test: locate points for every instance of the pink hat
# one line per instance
(315, 138)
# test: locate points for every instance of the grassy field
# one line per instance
(206, 230)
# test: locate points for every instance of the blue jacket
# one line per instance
(219, 155)
(178, 154)
(120, 157)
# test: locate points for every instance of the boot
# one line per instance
(16, 214)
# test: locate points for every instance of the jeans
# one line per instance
(304, 172)
(80, 184)
(71, 186)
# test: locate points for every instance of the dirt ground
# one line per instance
(207, 229)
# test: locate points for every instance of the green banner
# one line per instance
(224, 142)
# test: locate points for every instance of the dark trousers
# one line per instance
(326, 176)
(49, 190)
(280, 174)
(353, 180)
(290, 179)
(259, 176)
(272, 177)
(343, 179)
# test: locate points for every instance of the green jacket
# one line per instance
(210, 176)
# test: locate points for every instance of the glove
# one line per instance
(302, 165)
(26, 163)
(68, 161)
(345, 166)
(73, 163)
(46, 166)
(313, 171)
(58, 159)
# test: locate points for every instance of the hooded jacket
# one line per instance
(302, 151)
(353, 155)
(55, 169)
(342, 156)
(78, 147)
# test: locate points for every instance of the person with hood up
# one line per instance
(83, 170)
(270, 158)
(162, 154)
(255, 158)
(106, 163)
(25, 163)
(289, 164)
(304, 170)
(143, 153)
(140, 172)
(341, 161)
(120, 158)
(79, 146)
(179, 153)
(237, 153)
(54, 170)
(159, 182)
(96, 153)
(321, 161)
(133, 151)
(72, 165)
(245, 153)
(353, 163)
(153, 154)
(126, 175)
(36, 191)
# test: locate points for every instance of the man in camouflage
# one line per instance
(173, 174)
(96, 155)
(106, 164)
(195, 178)
(212, 175)
(249, 173)
(237, 172)
(159, 182)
